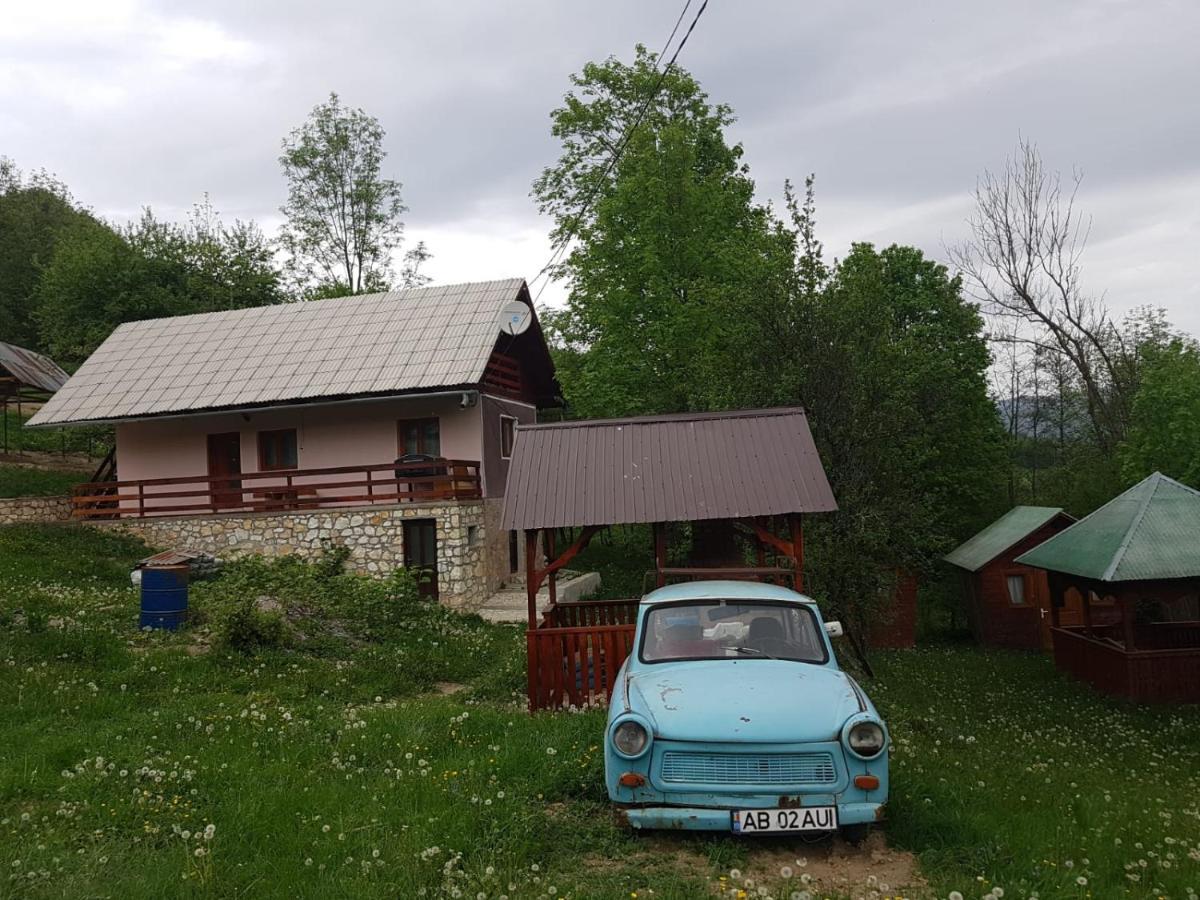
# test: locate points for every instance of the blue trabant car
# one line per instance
(731, 714)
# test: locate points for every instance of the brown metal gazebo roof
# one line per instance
(667, 468)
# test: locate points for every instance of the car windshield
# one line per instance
(732, 629)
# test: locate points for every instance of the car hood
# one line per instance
(757, 700)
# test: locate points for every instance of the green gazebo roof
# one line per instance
(1019, 522)
(1150, 532)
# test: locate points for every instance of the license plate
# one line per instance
(775, 821)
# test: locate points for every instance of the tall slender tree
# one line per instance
(343, 216)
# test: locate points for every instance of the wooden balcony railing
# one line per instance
(276, 491)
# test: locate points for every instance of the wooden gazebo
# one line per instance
(753, 471)
(1135, 562)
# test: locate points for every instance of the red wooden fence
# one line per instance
(1156, 674)
(574, 655)
(442, 479)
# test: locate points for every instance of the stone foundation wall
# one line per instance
(15, 510)
(374, 537)
(496, 547)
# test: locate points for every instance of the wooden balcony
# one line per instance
(280, 491)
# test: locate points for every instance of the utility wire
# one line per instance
(620, 148)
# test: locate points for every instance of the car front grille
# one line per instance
(686, 767)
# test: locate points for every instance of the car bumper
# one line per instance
(703, 818)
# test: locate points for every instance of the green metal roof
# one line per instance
(1149, 532)
(1019, 522)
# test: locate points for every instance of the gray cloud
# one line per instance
(896, 107)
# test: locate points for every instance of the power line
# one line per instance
(620, 148)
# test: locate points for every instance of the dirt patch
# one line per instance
(833, 867)
(447, 688)
(784, 867)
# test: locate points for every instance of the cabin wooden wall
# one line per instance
(995, 620)
(897, 627)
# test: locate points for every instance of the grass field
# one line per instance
(26, 481)
(94, 441)
(334, 763)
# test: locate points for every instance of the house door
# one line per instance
(225, 460)
(420, 555)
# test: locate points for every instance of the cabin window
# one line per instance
(277, 449)
(419, 436)
(508, 434)
(1016, 590)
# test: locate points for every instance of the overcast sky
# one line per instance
(895, 106)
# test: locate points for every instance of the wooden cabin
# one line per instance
(1135, 562)
(1008, 603)
(753, 471)
(240, 431)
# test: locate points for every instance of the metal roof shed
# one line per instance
(1139, 552)
(26, 375)
(1007, 602)
(749, 467)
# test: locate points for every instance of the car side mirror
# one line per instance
(834, 629)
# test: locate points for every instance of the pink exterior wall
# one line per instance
(347, 434)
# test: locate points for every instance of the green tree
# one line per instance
(890, 362)
(343, 216)
(35, 211)
(100, 278)
(1164, 434)
(661, 244)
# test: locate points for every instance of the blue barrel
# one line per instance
(164, 596)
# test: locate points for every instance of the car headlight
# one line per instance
(631, 738)
(866, 739)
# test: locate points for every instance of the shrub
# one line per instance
(245, 626)
(254, 602)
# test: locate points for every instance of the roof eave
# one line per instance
(441, 390)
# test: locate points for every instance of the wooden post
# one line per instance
(1085, 597)
(1127, 611)
(660, 553)
(797, 552)
(531, 567)
(551, 555)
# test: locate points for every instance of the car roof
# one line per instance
(725, 590)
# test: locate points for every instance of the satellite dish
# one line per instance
(515, 317)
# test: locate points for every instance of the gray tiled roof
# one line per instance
(422, 338)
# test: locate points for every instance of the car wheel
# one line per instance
(855, 834)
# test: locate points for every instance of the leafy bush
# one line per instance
(256, 602)
(244, 626)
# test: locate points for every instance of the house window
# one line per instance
(1016, 590)
(508, 434)
(419, 436)
(277, 449)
